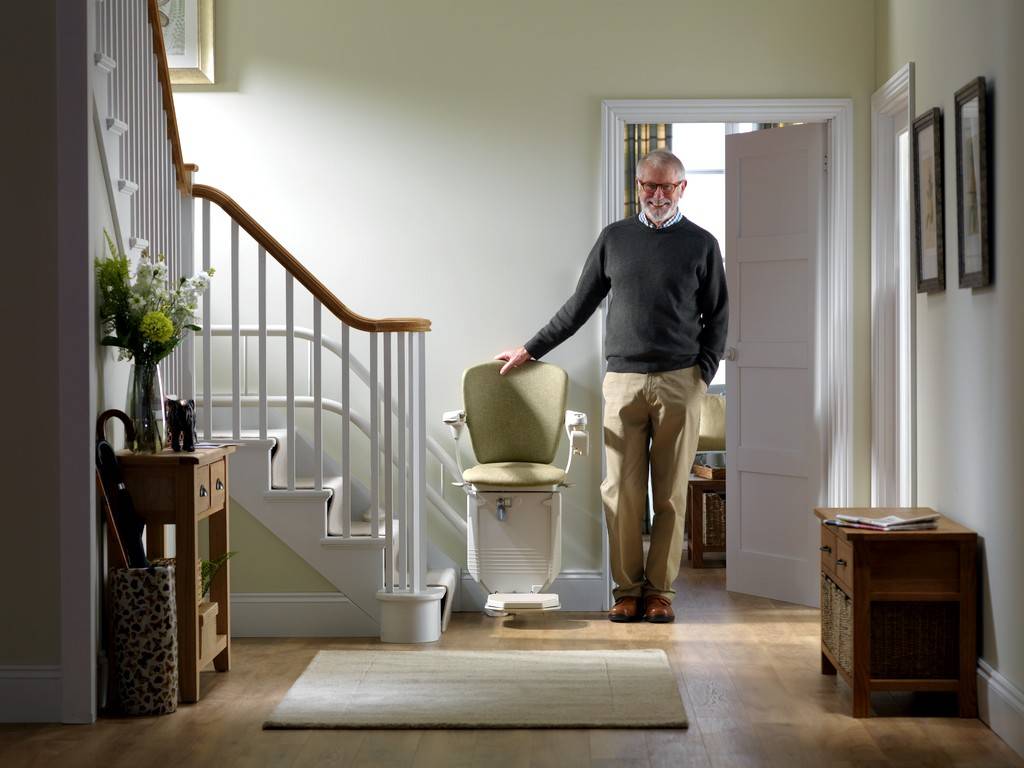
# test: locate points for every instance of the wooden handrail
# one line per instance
(184, 171)
(303, 275)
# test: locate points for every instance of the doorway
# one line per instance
(830, 348)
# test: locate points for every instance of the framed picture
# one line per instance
(188, 38)
(974, 253)
(929, 232)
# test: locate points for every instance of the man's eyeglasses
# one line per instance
(650, 187)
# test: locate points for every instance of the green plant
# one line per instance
(210, 568)
(141, 314)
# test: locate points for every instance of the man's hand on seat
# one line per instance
(514, 357)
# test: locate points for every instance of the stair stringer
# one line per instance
(299, 519)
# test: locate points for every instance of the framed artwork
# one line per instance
(188, 38)
(929, 232)
(972, 224)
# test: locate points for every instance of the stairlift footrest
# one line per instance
(519, 601)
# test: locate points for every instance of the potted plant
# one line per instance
(145, 318)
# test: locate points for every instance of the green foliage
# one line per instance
(210, 568)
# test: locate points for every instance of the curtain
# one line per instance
(641, 138)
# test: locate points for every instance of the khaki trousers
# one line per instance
(650, 420)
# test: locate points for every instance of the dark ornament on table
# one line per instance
(181, 424)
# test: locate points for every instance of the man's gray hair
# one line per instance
(662, 158)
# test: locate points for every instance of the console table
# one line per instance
(695, 491)
(180, 489)
(899, 608)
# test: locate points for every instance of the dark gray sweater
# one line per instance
(669, 307)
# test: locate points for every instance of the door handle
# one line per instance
(220, 484)
(202, 491)
(730, 354)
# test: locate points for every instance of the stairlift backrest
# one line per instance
(516, 417)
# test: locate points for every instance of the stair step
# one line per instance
(117, 127)
(127, 187)
(104, 62)
(138, 243)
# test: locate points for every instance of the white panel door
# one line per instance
(775, 206)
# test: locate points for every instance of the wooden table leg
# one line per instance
(967, 693)
(696, 526)
(220, 590)
(186, 545)
(861, 634)
(156, 543)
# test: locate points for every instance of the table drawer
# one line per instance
(202, 490)
(218, 484)
(828, 550)
(844, 565)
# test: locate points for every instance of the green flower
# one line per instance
(156, 327)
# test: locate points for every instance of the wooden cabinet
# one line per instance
(899, 608)
(181, 489)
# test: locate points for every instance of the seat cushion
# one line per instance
(514, 474)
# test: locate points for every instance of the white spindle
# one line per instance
(374, 441)
(186, 242)
(263, 342)
(346, 417)
(236, 370)
(318, 446)
(403, 474)
(289, 365)
(207, 336)
(389, 534)
(419, 464)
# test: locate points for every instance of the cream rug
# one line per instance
(483, 689)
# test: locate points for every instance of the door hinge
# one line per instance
(826, 164)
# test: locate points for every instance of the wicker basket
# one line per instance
(915, 640)
(714, 521)
(837, 623)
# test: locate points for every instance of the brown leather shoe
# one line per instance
(625, 609)
(659, 610)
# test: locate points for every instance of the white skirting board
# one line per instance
(30, 694)
(577, 590)
(298, 614)
(1001, 706)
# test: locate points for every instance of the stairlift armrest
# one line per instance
(579, 438)
(456, 421)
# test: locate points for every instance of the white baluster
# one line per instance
(403, 474)
(346, 418)
(389, 533)
(419, 463)
(263, 342)
(186, 241)
(374, 441)
(236, 377)
(289, 365)
(207, 336)
(318, 447)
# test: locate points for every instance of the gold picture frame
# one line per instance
(187, 27)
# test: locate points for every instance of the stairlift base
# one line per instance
(503, 604)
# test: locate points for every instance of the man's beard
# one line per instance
(658, 214)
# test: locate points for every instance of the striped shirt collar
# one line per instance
(674, 220)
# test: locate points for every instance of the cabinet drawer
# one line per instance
(828, 550)
(218, 484)
(844, 565)
(202, 492)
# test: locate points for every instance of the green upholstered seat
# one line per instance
(515, 422)
(712, 424)
(514, 474)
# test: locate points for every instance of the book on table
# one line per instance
(889, 522)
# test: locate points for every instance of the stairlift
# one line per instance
(513, 499)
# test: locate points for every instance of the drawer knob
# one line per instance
(824, 548)
(220, 484)
(202, 491)
(840, 561)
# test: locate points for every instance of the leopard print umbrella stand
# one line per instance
(146, 638)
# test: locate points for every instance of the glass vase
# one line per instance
(145, 408)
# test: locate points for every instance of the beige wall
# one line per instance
(29, 546)
(969, 352)
(446, 163)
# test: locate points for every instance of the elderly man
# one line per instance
(667, 319)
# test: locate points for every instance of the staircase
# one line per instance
(341, 483)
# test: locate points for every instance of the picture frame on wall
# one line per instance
(188, 40)
(928, 229)
(974, 255)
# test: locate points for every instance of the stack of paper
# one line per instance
(888, 523)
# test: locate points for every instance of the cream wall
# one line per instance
(970, 359)
(29, 572)
(442, 159)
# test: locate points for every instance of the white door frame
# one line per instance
(893, 303)
(833, 346)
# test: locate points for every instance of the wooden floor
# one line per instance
(748, 670)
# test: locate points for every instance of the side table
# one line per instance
(180, 489)
(695, 509)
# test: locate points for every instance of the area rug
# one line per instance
(483, 689)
